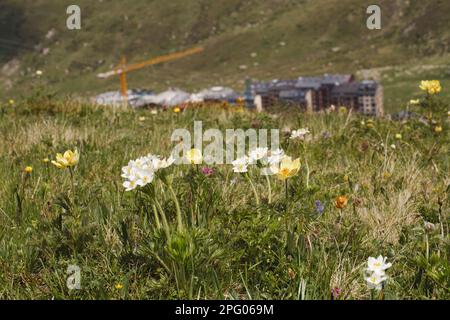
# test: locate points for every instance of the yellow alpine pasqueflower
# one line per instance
(431, 86)
(343, 110)
(28, 169)
(398, 136)
(438, 129)
(194, 156)
(177, 110)
(287, 168)
(11, 102)
(68, 159)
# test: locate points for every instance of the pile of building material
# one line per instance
(169, 98)
(135, 98)
(143, 98)
(218, 94)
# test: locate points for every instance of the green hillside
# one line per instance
(259, 39)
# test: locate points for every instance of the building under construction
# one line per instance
(319, 93)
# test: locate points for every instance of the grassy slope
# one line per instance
(231, 31)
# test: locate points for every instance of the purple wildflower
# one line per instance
(335, 293)
(319, 207)
(207, 171)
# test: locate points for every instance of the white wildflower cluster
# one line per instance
(240, 165)
(140, 172)
(299, 134)
(376, 272)
(262, 157)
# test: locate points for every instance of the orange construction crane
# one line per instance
(123, 68)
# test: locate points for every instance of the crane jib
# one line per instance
(136, 66)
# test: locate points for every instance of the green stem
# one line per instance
(307, 173)
(194, 211)
(177, 205)
(269, 188)
(306, 163)
(164, 219)
(75, 211)
(381, 294)
(253, 188)
(286, 189)
(155, 213)
(71, 179)
(286, 211)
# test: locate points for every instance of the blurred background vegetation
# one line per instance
(259, 39)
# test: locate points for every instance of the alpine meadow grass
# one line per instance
(351, 189)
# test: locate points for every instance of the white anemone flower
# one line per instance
(240, 165)
(145, 176)
(164, 163)
(258, 154)
(128, 171)
(130, 185)
(140, 162)
(275, 156)
(378, 265)
(299, 134)
(140, 172)
(376, 280)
